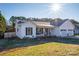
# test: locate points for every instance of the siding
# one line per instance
(22, 30)
(66, 25)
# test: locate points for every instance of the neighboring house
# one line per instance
(27, 28)
(33, 29)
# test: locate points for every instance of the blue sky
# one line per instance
(40, 10)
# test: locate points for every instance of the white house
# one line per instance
(32, 29)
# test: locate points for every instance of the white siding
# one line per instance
(22, 30)
(55, 32)
(17, 32)
(67, 25)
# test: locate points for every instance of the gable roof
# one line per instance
(58, 23)
(53, 23)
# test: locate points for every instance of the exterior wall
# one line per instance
(22, 30)
(28, 24)
(76, 30)
(17, 32)
(67, 26)
(9, 34)
(55, 32)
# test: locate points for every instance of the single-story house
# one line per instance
(33, 29)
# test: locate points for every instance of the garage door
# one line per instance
(63, 32)
(70, 32)
(66, 33)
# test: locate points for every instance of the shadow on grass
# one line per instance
(10, 43)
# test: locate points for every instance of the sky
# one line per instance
(40, 10)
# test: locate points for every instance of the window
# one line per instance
(29, 31)
(63, 29)
(39, 30)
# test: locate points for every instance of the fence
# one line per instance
(9, 34)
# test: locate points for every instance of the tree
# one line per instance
(58, 19)
(12, 19)
(2, 25)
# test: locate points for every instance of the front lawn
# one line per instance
(44, 47)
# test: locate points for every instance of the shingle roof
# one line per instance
(58, 23)
(43, 24)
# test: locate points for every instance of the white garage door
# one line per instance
(66, 33)
(70, 32)
(63, 33)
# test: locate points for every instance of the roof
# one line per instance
(75, 23)
(58, 23)
(43, 24)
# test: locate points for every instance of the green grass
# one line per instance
(34, 47)
(47, 49)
